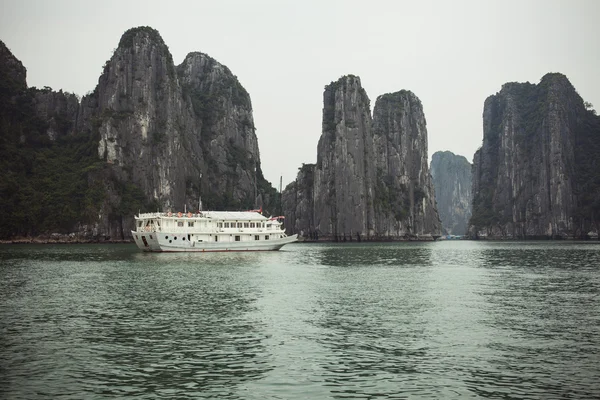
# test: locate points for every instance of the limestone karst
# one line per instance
(371, 180)
(536, 173)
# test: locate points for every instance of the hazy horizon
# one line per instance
(452, 56)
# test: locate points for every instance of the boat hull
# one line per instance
(150, 242)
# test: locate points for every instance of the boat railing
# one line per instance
(169, 215)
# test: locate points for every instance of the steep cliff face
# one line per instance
(146, 129)
(223, 112)
(298, 203)
(452, 181)
(527, 176)
(404, 193)
(371, 180)
(343, 181)
(150, 136)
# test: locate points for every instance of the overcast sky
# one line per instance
(451, 54)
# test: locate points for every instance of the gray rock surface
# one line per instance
(222, 110)
(299, 205)
(452, 180)
(371, 180)
(526, 175)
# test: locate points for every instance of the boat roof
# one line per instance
(234, 215)
(218, 215)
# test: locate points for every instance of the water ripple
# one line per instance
(420, 320)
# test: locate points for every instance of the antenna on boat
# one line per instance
(200, 194)
(280, 195)
(255, 185)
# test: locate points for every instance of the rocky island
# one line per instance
(371, 180)
(151, 135)
(451, 175)
(537, 173)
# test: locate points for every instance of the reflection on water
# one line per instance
(542, 306)
(360, 255)
(357, 320)
(127, 326)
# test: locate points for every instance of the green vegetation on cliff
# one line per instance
(392, 198)
(44, 187)
(483, 210)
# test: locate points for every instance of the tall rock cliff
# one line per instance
(452, 180)
(404, 193)
(147, 135)
(299, 203)
(535, 175)
(343, 181)
(150, 136)
(223, 112)
(371, 179)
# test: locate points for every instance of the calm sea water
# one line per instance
(518, 320)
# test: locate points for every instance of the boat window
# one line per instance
(266, 237)
(175, 238)
(256, 237)
(180, 223)
(220, 225)
(166, 237)
(150, 236)
(216, 238)
(226, 224)
(158, 222)
(252, 225)
(246, 225)
(140, 224)
(237, 238)
(190, 224)
(239, 224)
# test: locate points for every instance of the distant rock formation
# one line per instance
(150, 136)
(371, 180)
(537, 172)
(451, 175)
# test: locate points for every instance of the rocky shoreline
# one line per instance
(63, 239)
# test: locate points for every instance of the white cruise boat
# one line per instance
(209, 231)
